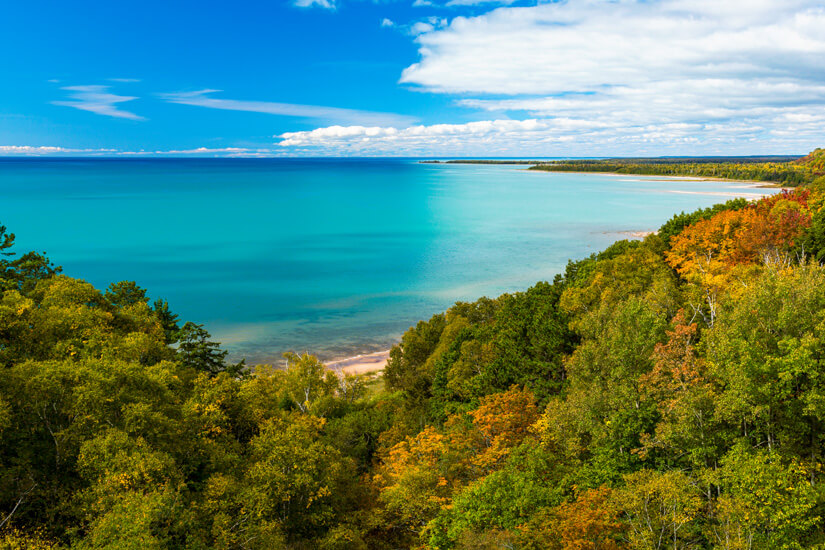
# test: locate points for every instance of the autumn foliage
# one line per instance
(661, 394)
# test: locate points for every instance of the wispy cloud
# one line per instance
(203, 98)
(124, 80)
(97, 99)
(416, 27)
(325, 4)
(459, 3)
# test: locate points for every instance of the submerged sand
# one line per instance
(370, 363)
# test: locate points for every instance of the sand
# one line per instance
(361, 364)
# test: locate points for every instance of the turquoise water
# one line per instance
(327, 256)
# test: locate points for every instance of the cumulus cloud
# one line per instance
(587, 45)
(204, 98)
(386, 23)
(717, 76)
(432, 139)
(97, 99)
(563, 136)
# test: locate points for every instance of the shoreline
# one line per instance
(367, 363)
(374, 362)
(535, 166)
(659, 177)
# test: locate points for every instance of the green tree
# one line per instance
(765, 503)
(168, 320)
(125, 293)
(197, 351)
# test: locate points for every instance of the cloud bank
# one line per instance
(554, 137)
(30, 150)
(590, 45)
(590, 77)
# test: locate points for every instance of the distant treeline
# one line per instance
(640, 160)
(785, 173)
(785, 170)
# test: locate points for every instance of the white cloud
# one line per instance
(554, 137)
(326, 4)
(601, 77)
(435, 139)
(203, 98)
(587, 45)
(422, 26)
(458, 3)
(208, 151)
(124, 80)
(29, 150)
(385, 23)
(203, 151)
(96, 99)
(635, 71)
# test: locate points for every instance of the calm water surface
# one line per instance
(329, 256)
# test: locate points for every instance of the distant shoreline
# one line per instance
(546, 166)
(651, 177)
(657, 177)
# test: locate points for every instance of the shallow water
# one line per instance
(327, 256)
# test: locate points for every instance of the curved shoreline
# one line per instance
(374, 362)
(367, 363)
(667, 177)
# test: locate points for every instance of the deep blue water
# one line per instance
(327, 256)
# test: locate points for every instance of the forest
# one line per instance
(787, 172)
(667, 393)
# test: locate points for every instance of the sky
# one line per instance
(412, 78)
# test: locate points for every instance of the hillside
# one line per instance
(815, 161)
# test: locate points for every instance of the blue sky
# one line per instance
(412, 77)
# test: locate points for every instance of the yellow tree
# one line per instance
(660, 509)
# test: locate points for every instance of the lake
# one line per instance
(330, 256)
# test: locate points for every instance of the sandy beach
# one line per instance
(631, 234)
(361, 364)
(659, 177)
